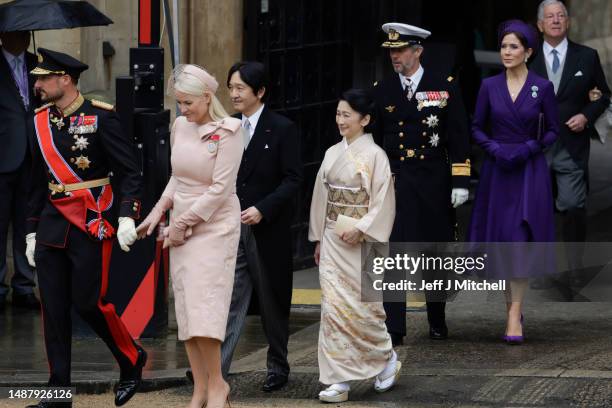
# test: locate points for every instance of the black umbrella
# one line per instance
(27, 15)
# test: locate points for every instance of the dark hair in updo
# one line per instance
(521, 37)
(360, 101)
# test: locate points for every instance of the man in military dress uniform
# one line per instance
(423, 128)
(80, 158)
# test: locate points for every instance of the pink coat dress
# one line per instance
(205, 161)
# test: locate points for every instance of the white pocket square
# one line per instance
(266, 147)
(579, 73)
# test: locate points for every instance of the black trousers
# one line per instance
(436, 308)
(274, 304)
(77, 275)
(13, 205)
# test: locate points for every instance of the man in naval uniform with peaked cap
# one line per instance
(423, 128)
(80, 160)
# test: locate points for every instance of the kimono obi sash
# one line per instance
(352, 202)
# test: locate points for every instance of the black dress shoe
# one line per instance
(274, 382)
(127, 387)
(397, 339)
(51, 404)
(438, 333)
(27, 301)
(189, 375)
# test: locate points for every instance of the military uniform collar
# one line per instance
(76, 104)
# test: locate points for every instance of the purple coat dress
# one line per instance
(514, 201)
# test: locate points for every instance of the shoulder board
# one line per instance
(102, 105)
(44, 107)
(450, 79)
(376, 83)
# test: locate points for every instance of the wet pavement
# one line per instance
(565, 362)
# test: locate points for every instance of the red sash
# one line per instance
(75, 206)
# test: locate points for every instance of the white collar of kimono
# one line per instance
(561, 49)
(364, 136)
(415, 78)
(253, 119)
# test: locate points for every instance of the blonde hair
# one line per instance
(183, 80)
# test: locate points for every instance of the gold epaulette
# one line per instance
(42, 108)
(102, 105)
(450, 79)
(461, 169)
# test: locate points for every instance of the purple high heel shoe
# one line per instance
(515, 340)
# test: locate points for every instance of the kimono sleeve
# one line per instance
(378, 222)
(318, 207)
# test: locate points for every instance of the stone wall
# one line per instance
(591, 24)
(210, 35)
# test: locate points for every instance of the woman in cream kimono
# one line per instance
(354, 181)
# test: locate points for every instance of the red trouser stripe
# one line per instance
(122, 337)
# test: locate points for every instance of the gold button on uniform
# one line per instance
(422, 157)
(402, 158)
(401, 146)
(72, 160)
(135, 208)
(401, 123)
(424, 133)
(401, 134)
(422, 146)
(423, 121)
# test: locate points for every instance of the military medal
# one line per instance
(432, 99)
(432, 121)
(434, 140)
(213, 142)
(58, 122)
(390, 108)
(82, 162)
(81, 142)
(83, 124)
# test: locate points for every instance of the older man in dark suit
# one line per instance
(574, 70)
(17, 101)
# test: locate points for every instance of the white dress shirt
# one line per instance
(561, 52)
(415, 78)
(253, 119)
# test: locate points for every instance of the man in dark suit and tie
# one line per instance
(268, 181)
(574, 70)
(17, 103)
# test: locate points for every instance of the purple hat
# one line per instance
(518, 26)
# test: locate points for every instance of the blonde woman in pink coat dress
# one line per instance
(204, 229)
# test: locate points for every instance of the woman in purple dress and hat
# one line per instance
(515, 119)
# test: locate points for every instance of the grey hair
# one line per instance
(545, 3)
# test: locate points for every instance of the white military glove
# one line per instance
(30, 248)
(126, 233)
(459, 196)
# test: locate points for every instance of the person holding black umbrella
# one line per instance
(17, 103)
(81, 156)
